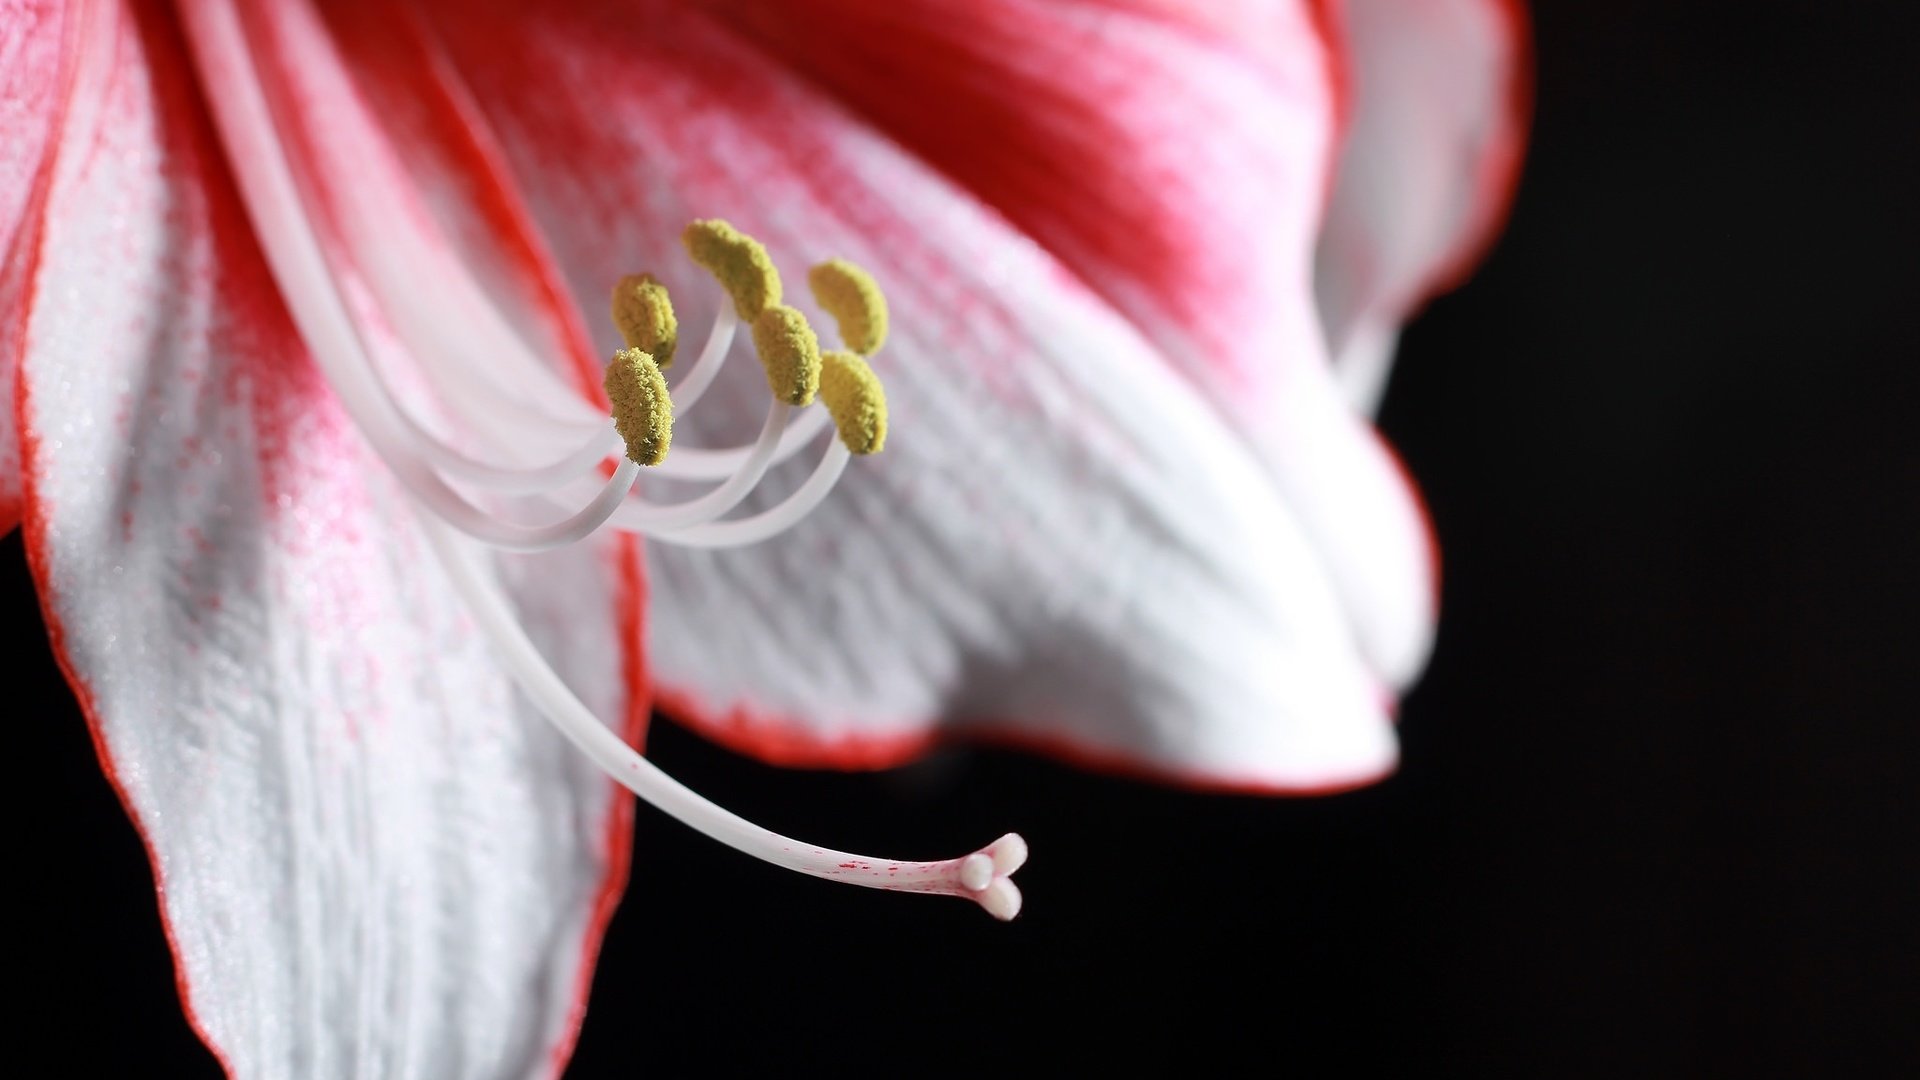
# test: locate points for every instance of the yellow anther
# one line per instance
(855, 400)
(738, 261)
(644, 315)
(642, 411)
(855, 301)
(790, 352)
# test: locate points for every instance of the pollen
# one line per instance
(855, 301)
(738, 260)
(790, 352)
(855, 400)
(642, 411)
(644, 315)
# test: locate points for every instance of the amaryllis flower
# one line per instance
(305, 336)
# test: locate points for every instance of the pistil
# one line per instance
(428, 466)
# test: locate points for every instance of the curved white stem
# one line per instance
(981, 876)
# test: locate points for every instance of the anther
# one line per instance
(855, 400)
(642, 411)
(644, 315)
(790, 352)
(855, 301)
(738, 261)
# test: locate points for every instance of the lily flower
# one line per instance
(333, 492)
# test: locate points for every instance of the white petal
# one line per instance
(1175, 159)
(373, 858)
(1062, 540)
(1436, 120)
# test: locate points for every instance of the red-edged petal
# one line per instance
(1438, 114)
(373, 858)
(1175, 160)
(1061, 538)
(32, 92)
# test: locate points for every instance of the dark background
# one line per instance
(1655, 817)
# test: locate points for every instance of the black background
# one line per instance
(1656, 811)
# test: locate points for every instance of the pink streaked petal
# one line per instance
(33, 90)
(372, 857)
(1061, 538)
(1170, 170)
(1440, 95)
(1176, 162)
(409, 199)
(1174, 166)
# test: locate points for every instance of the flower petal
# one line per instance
(1438, 114)
(1175, 160)
(373, 858)
(1061, 538)
(32, 92)
(412, 202)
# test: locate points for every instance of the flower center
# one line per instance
(440, 312)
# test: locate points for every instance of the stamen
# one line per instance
(642, 411)
(790, 352)
(855, 301)
(855, 399)
(950, 877)
(644, 315)
(738, 260)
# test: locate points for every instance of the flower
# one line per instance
(278, 273)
